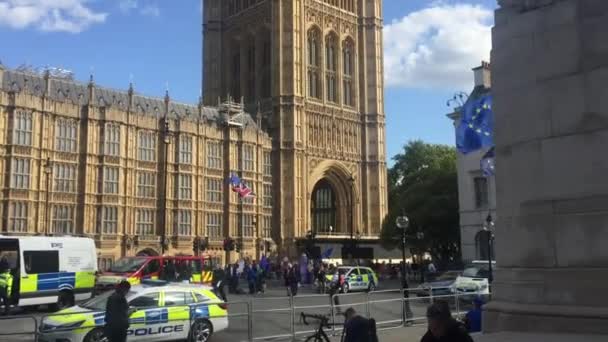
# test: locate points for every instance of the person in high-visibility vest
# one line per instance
(6, 284)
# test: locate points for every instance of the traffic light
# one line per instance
(228, 244)
(238, 247)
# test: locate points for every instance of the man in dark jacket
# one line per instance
(219, 281)
(117, 314)
(358, 328)
(442, 327)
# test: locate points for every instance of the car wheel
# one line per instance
(65, 300)
(95, 335)
(345, 288)
(201, 331)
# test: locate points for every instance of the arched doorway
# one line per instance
(323, 207)
(147, 252)
(482, 246)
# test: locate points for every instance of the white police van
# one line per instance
(50, 270)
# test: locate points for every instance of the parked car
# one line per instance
(442, 285)
(474, 279)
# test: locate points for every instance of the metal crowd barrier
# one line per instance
(393, 319)
(11, 335)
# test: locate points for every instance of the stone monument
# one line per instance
(550, 87)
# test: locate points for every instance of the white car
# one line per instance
(474, 279)
(159, 313)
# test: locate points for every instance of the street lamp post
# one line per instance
(351, 180)
(166, 141)
(48, 170)
(488, 228)
(403, 222)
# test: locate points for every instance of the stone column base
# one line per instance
(507, 336)
(507, 316)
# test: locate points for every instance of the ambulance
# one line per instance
(50, 270)
(159, 311)
(138, 268)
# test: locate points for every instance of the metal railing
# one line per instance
(390, 308)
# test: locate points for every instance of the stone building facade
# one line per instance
(476, 192)
(128, 170)
(315, 70)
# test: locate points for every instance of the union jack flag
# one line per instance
(239, 186)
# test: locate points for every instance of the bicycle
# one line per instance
(319, 335)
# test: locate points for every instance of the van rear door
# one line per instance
(9, 250)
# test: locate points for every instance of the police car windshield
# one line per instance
(125, 265)
(98, 303)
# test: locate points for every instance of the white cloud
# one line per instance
(49, 15)
(436, 47)
(126, 6)
(150, 10)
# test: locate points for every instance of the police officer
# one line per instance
(117, 314)
(6, 284)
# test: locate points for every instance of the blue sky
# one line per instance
(430, 48)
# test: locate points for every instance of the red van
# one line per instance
(196, 269)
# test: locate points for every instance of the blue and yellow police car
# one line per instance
(356, 278)
(159, 312)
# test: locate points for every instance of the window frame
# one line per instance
(63, 218)
(112, 139)
(185, 149)
(146, 146)
(18, 223)
(22, 128)
(20, 173)
(111, 183)
(145, 227)
(66, 135)
(146, 189)
(65, 177)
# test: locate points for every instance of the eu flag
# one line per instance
(476, 128)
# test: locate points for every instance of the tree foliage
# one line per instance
(423, 185)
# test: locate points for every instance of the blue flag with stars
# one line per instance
(476, 128)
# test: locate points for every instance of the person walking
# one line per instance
(251, 273)
(117, 314)
(442, 327)
(218, 282)
(321, 279)
(259, 279)
(335, 286)
(6, 285)
(292, 280)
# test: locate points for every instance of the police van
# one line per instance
(159, 311)
(50, 270)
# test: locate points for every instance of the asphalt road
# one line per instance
(272, 314)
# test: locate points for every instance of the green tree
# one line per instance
(423, 185)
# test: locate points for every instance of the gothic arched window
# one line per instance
(349, 65)
(323, 207)
(331, 67)
(314, 63)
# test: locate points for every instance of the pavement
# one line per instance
(272, 315)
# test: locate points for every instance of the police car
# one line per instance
(158, 313)
(357, 278)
